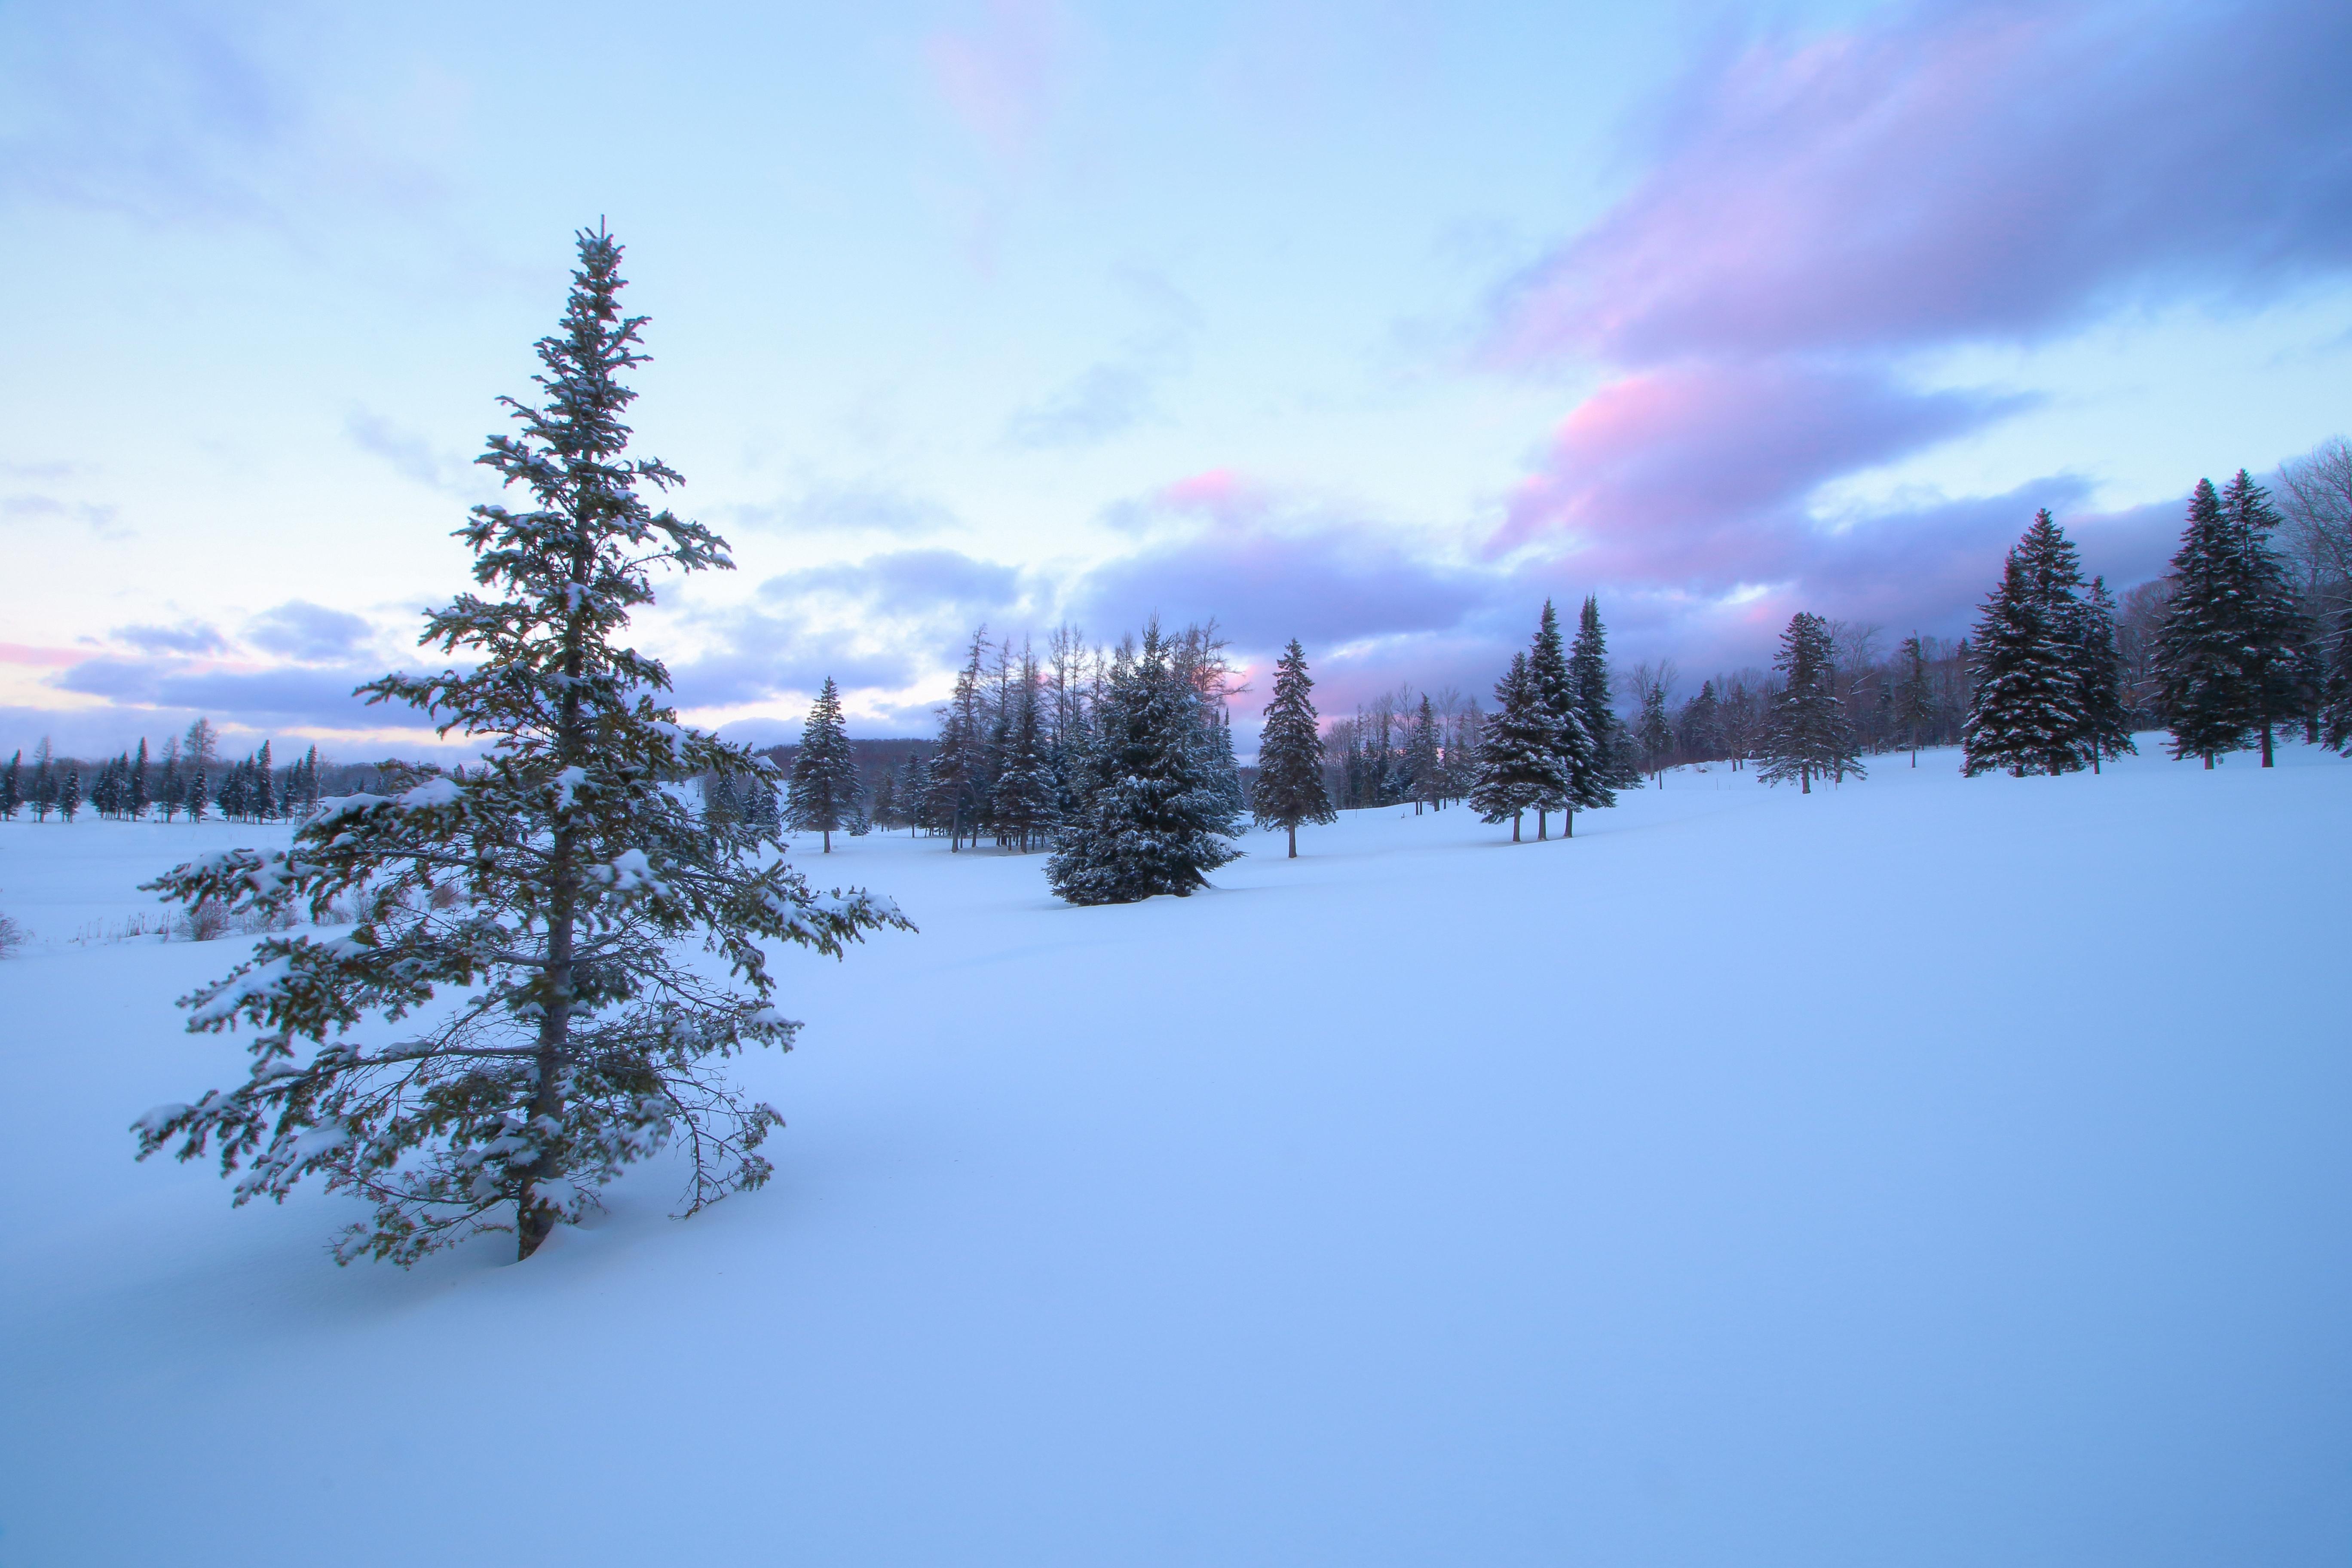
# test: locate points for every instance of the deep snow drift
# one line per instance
(1929, 1171)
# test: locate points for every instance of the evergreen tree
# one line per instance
(1600, 762)
(1024, 803)
(885, 798)
(1655, 731)
(1290, 791)
(1808, 730)
(1914, 695)
(1155, 818)
(2029, 715)
(548, 888)
(233, 789)
(1422, 752)
(2335, 704)
(70, 792)
(140, 798)
(101, 792)
(1519, 756)
(1570, 743)
(44, 781)
(825, 776)
(1617, 757)
(1701, 725)
(195, 793)
(11, 787)
(2209, 698)
(2107, 719)
(2276, 637)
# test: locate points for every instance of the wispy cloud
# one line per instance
(1820, 211)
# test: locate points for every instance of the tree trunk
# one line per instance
(1568, 823)
(1804, 781)
(1540, 833)
(535, 1221)
(1515, 826)
(828, 838)
(1293, 841)
(2266, 743)
(2209, 761)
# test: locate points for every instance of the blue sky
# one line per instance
(1372, 325)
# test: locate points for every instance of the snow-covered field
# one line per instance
(1927, 1171)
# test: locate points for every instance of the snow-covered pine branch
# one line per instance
(550, 889)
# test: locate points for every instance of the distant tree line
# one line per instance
(189, 780)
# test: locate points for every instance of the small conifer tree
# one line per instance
(1518, 754)
(1290, 789)
(1154, 815)
(2107, 719)
(11, 787)
(1024, 802)
(1914, 695)
(825, 788)
(1807, 732)
(2275, 645)
(2029, 715)
(2209, 698)
(544, 891)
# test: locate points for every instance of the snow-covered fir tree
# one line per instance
(70, 792)
(544, 891)
(1023, 805)
(2277, 647)
(2107, 719)
(825, 789)
(1806, 731)
(2206, 689)
(1617, 757)
(1290, 791)
(1914, 696)
(1575, 749)
(43, 795)
(11, 787)
(1700, 726)
(2335, 697)
(2028, 714)
(1154, 816)
(1655, 728)
(1519, 755)
(1424, 750)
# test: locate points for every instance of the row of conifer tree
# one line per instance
(190, 783)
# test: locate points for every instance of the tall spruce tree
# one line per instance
(1024, 802)
(1518, 754)
(824, 774)
(1914, 695)
(1570, 743)
(1154, 815)
(70, 792)
(546, 890)
(2106, 718)
(2029, 715)
(1291, 789)
(11, 787)
(1604, 760)
(2336, 698)
(1656, 730)
(1806, 731)
(2281, 661)
(2208, 694)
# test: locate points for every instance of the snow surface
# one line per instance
(1923, 1172)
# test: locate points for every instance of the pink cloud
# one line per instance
(1697, 475)
(1219, 493)
(1963, 171)
(1000, 75)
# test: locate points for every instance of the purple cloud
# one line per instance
(1959, 173)
(311, 633)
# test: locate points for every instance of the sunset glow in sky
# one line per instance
(1367, 324)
